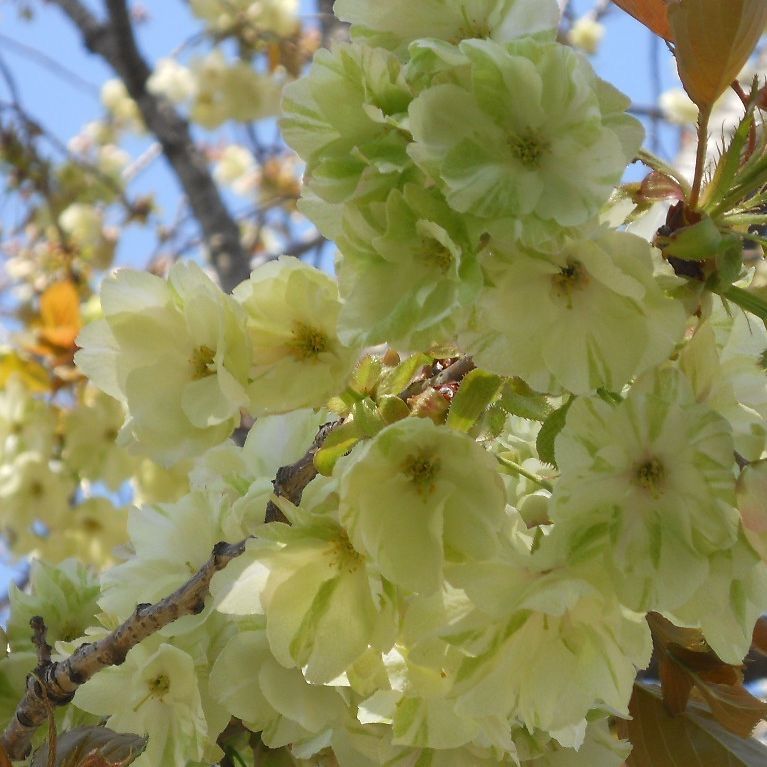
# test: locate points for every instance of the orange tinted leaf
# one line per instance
(34, 376)
(733, 707)
(707, 665)
(652, 13)
(691, 740)
(665, 633)
(714, 39)
(60, 314)
(676, 685)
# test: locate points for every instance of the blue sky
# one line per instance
(624, 59)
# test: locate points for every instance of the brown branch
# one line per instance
(58, 681)
(39, 640)
(115, 42)
(291, 480)
(55, 683)
(332, 29)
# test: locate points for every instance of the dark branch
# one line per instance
(116, 43)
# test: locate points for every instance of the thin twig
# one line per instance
(52, 65)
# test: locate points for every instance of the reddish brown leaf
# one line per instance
(691, 740)
(676, 684)
(664, 633)
(652, 13)
(658, 186)
(714, 39)
(93, 747)
(734, 707)
(706, 665)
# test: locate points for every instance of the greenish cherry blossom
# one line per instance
(418, 495)
(292, 323)
(590, 315)
(344, 118)
(176, 353)
(648, 484)
(412, 240)
(530, 134)
(398, 22)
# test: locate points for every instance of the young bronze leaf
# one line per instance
(734, 707)
(652, 13)
(665, 633)
(690, 740)
(714, 39)
(93, 747)
(660, 186)
(676, 684)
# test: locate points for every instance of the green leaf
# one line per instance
(478, 389)
(392, 408)
(367, 374)
(729, 261)
(729, 164)
(693, 739)
(92, 747)
(340, 442)
(368, 419)
(394, 380)
(744, 299)
(549, 432)
(520, 400)
(698, 242)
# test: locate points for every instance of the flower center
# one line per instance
(571, 277)
(308, 342)
(159, 685)
(343, 555)
(528, 148)
(472, 27)
(201, 362)
(650, 475)
(421, 470)
(436, 254)
(156, 688)
(91, 525)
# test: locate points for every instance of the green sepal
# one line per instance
(745, 299)
(698, 242)
(728, 165)
(367, 374)
(392, 408)
(729, 262)
(519, 399)
(369, 421)
(477, 390)
(338, 443)
(549, 432)
(395, 380)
